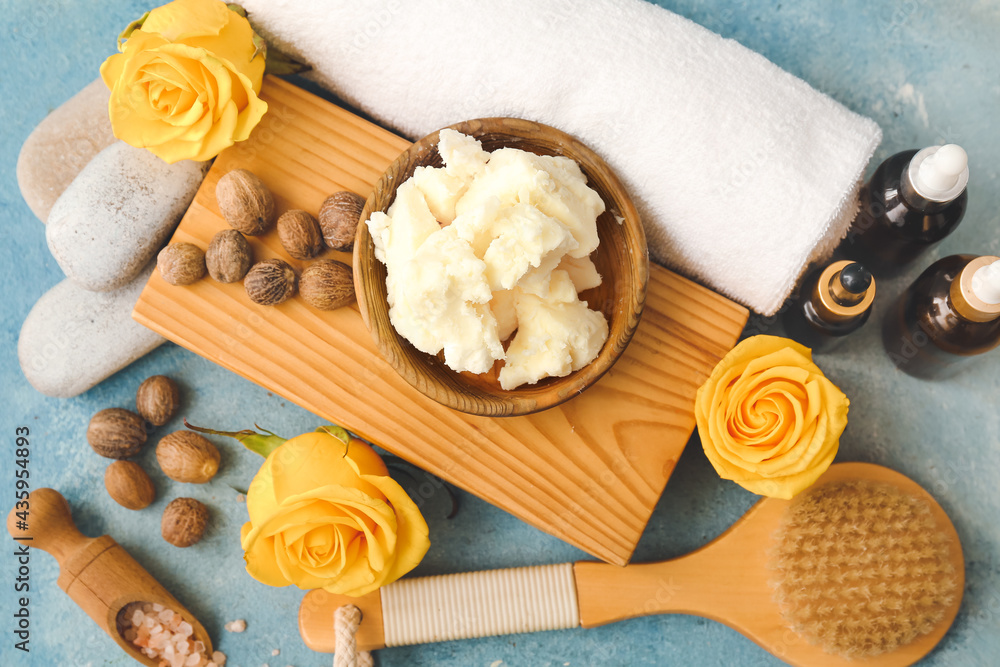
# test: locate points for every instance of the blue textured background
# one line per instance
(926, 72)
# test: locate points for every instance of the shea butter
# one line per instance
(489, 246)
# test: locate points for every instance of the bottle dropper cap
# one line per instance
(986, 283)
(975, 293)
(940, 173)
(855, 278)
(844, 291)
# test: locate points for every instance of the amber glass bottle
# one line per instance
(832, 303)
(913, 200)
(949, 314)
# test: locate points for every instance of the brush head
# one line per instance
(862, 568)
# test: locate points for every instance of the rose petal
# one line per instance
(135, 119)
(788, 486)
(314, 547)
(216, 138)
(215, 28)
(186, 19)
(305, 463)
(259, 557)
(329, 522)
(238, 53)
(768, 417)
(412, 540)
(376, 527)
(111, 70)
(185, 85)
(823, 432)
(249, 117)
(785, 405)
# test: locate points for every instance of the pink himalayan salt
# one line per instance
(238, 625)
(170, 642)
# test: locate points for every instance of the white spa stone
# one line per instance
(74, 338)
(117, 214)
(61, 145)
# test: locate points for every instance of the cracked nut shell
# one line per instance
(270, 282)
(327, 284)
(157, 399)
(181, 263)
(245, 202)
(184, 521)
(116, 433)
(300, 235)
(129, 485)
(228, 257)
(338, 218)
(185, 456)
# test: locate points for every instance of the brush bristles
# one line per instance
(862, 568)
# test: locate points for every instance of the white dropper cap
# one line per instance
(940, 173)
(986, 283)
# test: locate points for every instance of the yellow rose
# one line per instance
(323, 519)
(185, 84)
(768, 418)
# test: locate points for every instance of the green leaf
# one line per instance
(259, 443)
(130, 28)
(259, 48)
(275, 62)
(281, 64)
(337, 432)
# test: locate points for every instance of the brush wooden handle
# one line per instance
(96, 572)
(728, 580)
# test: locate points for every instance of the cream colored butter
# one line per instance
(555, 336)
(489, 246)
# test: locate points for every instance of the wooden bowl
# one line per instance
(622, 260)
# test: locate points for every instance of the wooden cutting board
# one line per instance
(589, 471)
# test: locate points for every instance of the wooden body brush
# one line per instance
(96, 572)
(863, 568)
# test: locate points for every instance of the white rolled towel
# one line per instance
(743, 173)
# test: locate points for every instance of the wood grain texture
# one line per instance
(589, 471)
(316, 622)
(96, 572)
(622, 260)
(727, 580)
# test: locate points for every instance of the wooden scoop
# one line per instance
(730, 580)
(96, 572)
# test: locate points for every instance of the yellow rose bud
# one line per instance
(323, 519)
(185, 84)
(768, 418)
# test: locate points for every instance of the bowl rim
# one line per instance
(456, 393)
